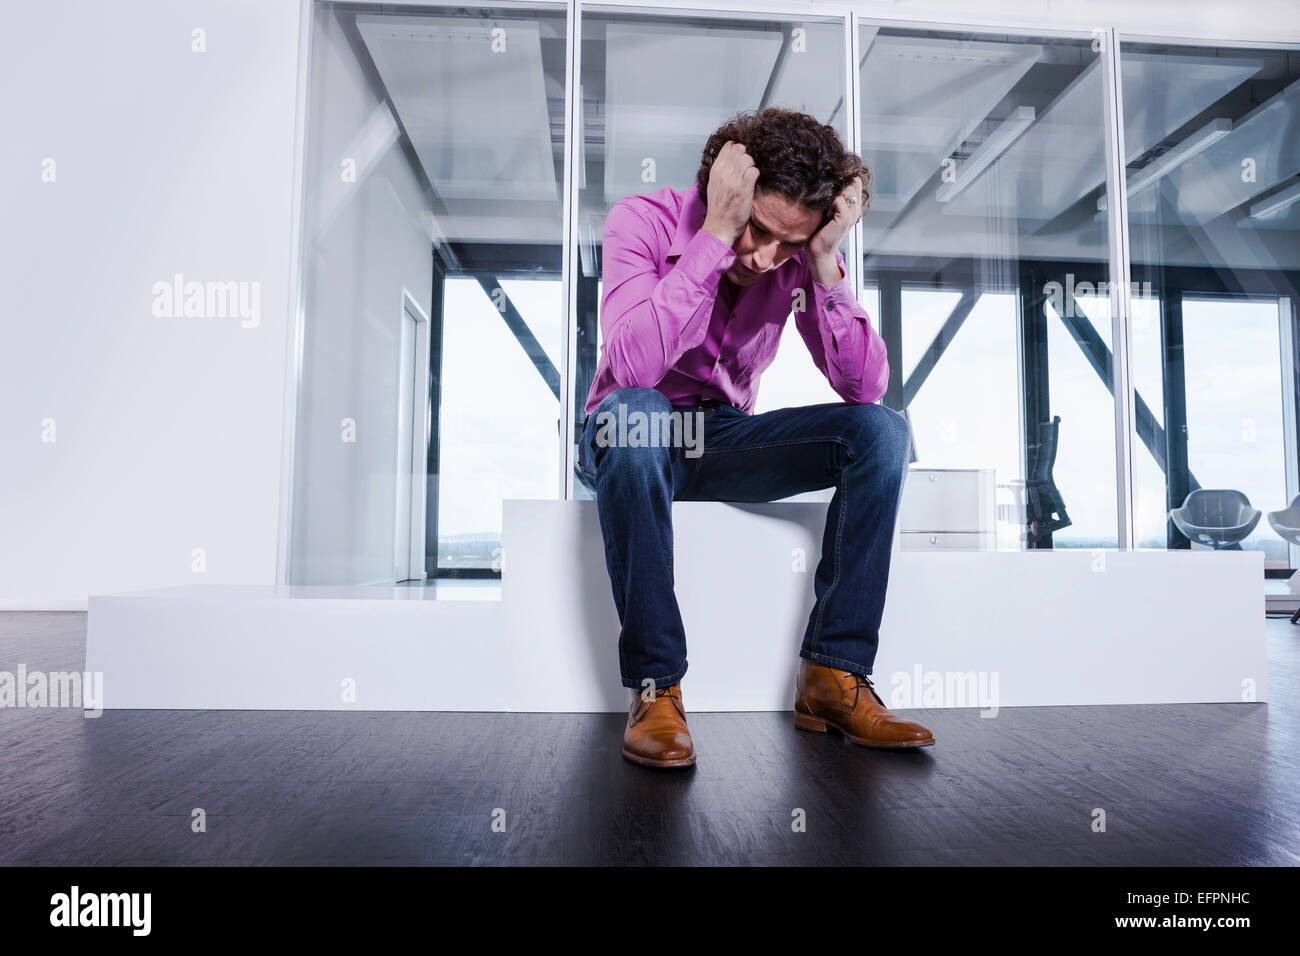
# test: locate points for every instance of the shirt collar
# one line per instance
(690, 219)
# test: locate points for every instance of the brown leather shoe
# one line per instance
(830, 697)
(656, 734)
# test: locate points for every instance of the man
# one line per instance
(698, 286)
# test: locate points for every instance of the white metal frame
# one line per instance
(1121, 305)
(853, 16)
(853, 138)
(569, 256)
(412, 442)
(294, 325)
(1290, 453)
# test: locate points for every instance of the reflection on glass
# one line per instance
(1213, 184)
(429, 385)
(983, 241)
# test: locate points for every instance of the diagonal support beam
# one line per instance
(778, 68)
(942, 339)
(1098, 355)
(523, 334)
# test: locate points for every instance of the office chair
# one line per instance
(1044, 506)
(1218, 518)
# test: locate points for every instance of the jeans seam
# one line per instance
(695, 476)
(622, 662)
(839, 536)
(777, 444)
(672, 536)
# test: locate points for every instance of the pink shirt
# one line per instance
(668, 322)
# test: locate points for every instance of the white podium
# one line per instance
(1036, 628)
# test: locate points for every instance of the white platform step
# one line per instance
(1032, 628)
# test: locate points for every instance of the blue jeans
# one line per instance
(860, 450)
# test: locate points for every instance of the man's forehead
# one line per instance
(776, 209)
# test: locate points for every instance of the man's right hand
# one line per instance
(731, 192)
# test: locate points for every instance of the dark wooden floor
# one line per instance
(1195, 784)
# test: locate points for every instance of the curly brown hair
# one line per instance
(797, 156)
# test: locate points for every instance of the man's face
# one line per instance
(778, 228)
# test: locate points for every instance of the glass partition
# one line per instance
(1212, 138)
(429, 383)
(986, 257)
(653, 90)
(431, 363)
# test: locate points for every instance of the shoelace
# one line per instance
(860, 681)
(659, 693)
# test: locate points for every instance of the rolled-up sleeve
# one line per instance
(647, 322)
(843, 344)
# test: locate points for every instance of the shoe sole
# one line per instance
(666, 764)
(820, 725)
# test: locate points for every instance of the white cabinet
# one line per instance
(948, 509)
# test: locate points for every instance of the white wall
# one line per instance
(167, 430)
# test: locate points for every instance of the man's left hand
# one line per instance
(824, 244)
